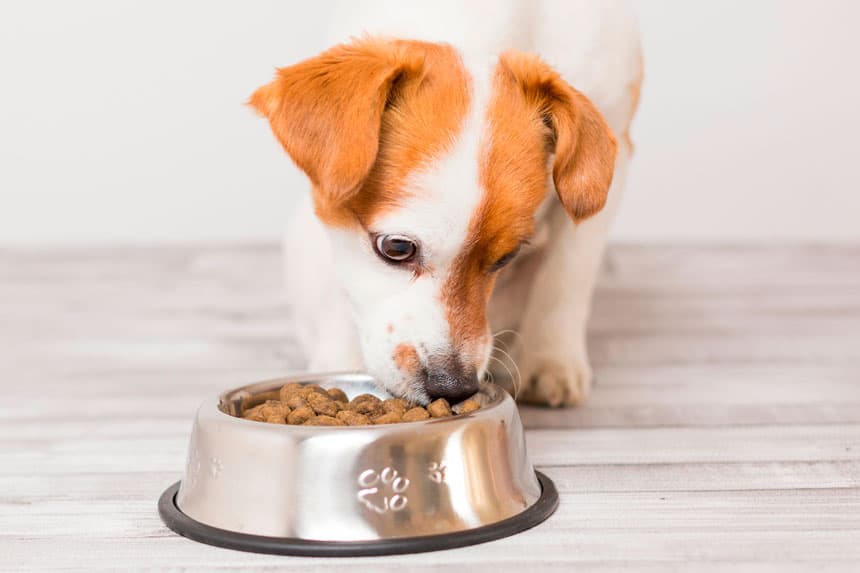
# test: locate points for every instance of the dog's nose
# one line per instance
(453, 384)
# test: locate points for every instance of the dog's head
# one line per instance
(428, 179)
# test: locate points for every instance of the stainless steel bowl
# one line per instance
(363, 490)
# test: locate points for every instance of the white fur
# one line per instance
(347, 300)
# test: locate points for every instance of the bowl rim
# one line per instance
(496, 396)
(186, 526)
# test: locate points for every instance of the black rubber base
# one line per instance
(187, 527)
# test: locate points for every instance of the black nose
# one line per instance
(452, 382)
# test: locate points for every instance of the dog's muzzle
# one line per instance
(448, 378)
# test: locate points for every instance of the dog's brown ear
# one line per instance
(583, 144)
(327, 111)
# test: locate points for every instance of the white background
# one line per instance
(122, 122)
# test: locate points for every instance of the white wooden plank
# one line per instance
(534, 550)
(697, 445)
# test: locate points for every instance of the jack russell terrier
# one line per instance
(465, 160)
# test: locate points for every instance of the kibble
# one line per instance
(324, 421)
(254, 414)
(300, 415)
(312, 405)
(396, 405)
(439, 408)
(272, 411)
(294, 401)
(322, 405)
(416, 414)
(469, 405)
(312, 389)
(337, 395)
(290, 390)
(388, 418)
(366, 404)
(351, 418)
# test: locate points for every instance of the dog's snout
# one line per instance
(450, 380)
(441, 384)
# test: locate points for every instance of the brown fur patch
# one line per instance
(583, 144)
(419, 126)
(406, 359)
(359, 118)
(532, 115)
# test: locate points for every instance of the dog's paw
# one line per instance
(553, 384)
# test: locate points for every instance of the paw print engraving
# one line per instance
(436, 472)
(215, 467)
(193, 466)
(382, 491)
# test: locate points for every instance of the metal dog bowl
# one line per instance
(364, 490)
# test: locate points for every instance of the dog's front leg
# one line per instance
(336, 346)
(321, 314)
(554, 363)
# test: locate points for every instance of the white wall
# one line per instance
(122, 121)
(749, 126)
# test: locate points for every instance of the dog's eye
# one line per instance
(504, 260)
(395, 248)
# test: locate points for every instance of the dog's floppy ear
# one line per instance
(583, 144)
(327, 111)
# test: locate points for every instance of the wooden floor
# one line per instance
(724, 429)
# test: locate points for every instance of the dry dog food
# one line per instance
(311, 405)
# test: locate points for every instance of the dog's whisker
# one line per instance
(518, 381)
(515, 380)
(503, 365)
(516, 334)
(489, 377)
(501, 344)
(506, 349)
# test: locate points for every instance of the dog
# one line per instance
(465, 160)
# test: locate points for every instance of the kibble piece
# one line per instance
(274, 411)
(439, 408)
(254, 413)
(272, 404)
(337, 395)
(398, 405)
(366, 404)
(363, 398)
(300, 415)
(469, 405)
(415, 414)
(351, 418)
(268, 413)
(312, 389)
(324, 421)
(388, 418)
(295, 402)
(288, 390)
(322, 404)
